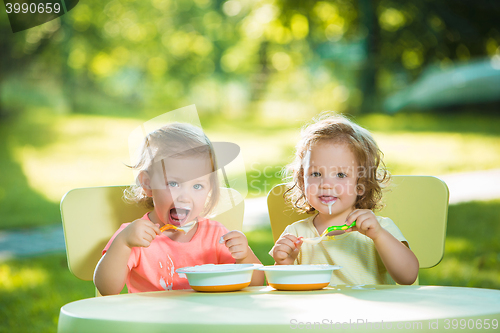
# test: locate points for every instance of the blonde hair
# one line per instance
(173, 141)
(338, 129)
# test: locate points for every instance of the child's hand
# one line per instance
(366, 223)
(286, 249)
(237, 244)
(139, 233)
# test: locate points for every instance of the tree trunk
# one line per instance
(368, 75)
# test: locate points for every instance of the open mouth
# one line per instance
(327, 199)
(178, 216)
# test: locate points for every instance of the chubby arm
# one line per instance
(111, 272)
(399, 260)
(237, 244)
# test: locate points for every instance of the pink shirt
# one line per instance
(153, 268)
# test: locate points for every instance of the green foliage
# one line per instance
(21, 205)
(224, 56)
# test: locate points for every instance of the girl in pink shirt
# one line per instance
(177, 179)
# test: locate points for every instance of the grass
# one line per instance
(43, 155)
(33, 290)
(36, 288)
(472, 250)
(47, 154)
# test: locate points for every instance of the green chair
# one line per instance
(90, 216)
(417, 204)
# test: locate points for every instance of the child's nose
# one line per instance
(182, 195)
(327, 182)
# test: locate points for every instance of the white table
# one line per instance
(263, 309)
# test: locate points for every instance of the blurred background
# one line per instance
(423, 76)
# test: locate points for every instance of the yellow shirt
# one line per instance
(354, 251)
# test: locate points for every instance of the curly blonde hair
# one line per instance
(337, 128)
(174, 140)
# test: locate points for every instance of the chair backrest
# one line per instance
(90, 216)
(417, 204)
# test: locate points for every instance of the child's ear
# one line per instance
(145, 183)
(360, 188)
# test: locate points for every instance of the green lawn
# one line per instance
(33, 290)
(472, 250)
(45, 155)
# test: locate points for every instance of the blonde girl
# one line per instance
(177, 180)
(337, 176)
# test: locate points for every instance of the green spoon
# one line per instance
(317, 240)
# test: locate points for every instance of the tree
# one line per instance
(329, 54)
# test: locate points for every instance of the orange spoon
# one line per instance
(185, 228)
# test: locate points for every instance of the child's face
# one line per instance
(330, 175)
(180, 187)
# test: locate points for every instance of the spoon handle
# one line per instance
(340, 227)
(317, 240)
(169, 226)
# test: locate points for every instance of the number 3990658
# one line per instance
(33, 8)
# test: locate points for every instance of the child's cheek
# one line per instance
(312, 185)
(342, 189)
(311, 190)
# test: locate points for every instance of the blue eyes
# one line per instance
(176, 184)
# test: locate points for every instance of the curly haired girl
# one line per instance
(338, 174)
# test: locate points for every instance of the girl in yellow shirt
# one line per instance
(338, 173)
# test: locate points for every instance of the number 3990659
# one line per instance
(33, 8)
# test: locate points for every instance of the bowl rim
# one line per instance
(245, 267)
(308, 268)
